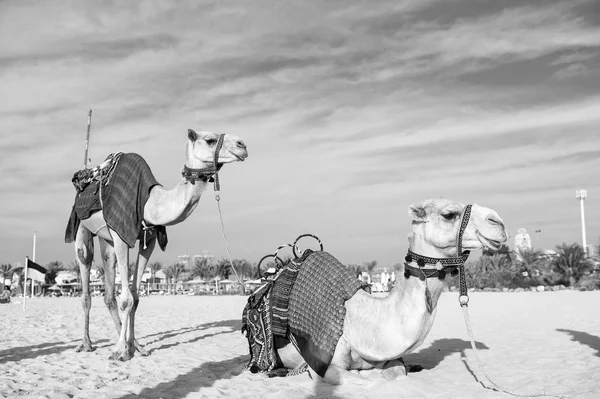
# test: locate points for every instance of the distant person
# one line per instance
(5, 296)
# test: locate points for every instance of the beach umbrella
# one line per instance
(54, 288)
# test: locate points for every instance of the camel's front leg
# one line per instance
(110, 265)
(84, 251)
(142, 260)
(125, 301)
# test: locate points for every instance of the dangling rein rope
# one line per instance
(463, 299)
(212, 175)
(217, 187)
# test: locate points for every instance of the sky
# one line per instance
(351, 111)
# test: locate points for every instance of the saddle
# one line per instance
(101, 173)
(120, 187)
(301, 300)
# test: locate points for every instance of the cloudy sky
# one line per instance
(351, 110)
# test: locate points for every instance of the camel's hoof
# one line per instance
(393, 373)
(121, 356)
(85, 347)
(143, 351)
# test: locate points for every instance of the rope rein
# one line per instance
(480, 364)
(463, 299)
(218, 198)
(217, 188)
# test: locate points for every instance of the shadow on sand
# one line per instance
(584, 338)
(234, 325)
(33, 351)
(208, 373)
(199, 377)
(433, 355)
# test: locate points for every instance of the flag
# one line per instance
(35, 271)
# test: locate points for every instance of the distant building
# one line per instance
(522, 239)
(184, 260)
(522, 242)
(549, 254)
(591, 251)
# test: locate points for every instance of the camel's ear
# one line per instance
(192, 135)
(417, 213)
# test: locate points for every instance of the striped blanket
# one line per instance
(303, 301)
(124, 196)
(316, 307)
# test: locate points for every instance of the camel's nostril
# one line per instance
(240, 144)
(494, 219)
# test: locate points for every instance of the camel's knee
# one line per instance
(85, 254)
(110, 301)
(86, 301)
(125, 301)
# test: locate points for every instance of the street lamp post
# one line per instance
(581, 195)
(537, 237)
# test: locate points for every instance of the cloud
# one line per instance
(351, 111)
(574, 58)
(571, 71)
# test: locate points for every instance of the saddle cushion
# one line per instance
(304, 302)
(124, 196)
(316, 307)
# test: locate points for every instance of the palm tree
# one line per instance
(53, 268)
(168, 271)
(20, 271)
(223, 269)
(155, 267)
(571, 262)
(6, 273)
(355, 269)
(101, 271)
(201, 268)
(370, 265)
(172, 273)
(74, 268)
(178, 269)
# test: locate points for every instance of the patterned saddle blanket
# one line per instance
(303, 301)
(120, 187)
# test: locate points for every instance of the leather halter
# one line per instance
(442, 265)
(206, 174)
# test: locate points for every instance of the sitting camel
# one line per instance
(206, 152)
(378, 331)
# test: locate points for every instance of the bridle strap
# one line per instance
(463, 297)
(444, 262)
(216, 161)
(207, 174)
(443, 265)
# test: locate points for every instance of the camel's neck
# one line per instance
(407, 318)
(412, 290)
(169, 207)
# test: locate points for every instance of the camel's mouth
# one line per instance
(239, 157)
(490, 243)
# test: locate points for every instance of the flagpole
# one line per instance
(87, 139)
(25, 282)
(33, 259)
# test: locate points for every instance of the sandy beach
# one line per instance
(547, 341)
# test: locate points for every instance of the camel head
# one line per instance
(435, 224)
(201, 146)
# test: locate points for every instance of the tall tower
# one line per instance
(581, 195)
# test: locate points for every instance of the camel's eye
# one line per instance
(449, 215)
(211, 142)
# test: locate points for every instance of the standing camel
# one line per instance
(378, 331)
(205, 153)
